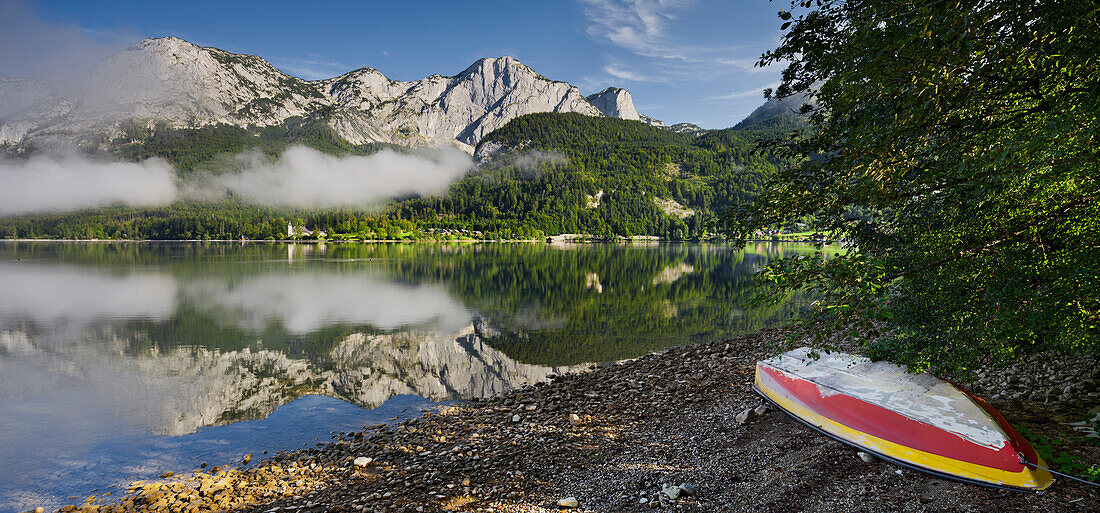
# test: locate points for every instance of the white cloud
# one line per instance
(628, 75)
(758, 92)
(43, 184)
(748, 65)
(55, 294)
(647, 30)
(314, 67)
(304, 177)
(640, 26)
(304, 302)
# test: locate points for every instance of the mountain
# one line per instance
(462, 108)
(169, 82)
(615, 102)
(781, 113)
(687, 128)
(541, 174)
(26, 104)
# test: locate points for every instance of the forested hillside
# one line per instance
(549, 174)
(569, 173)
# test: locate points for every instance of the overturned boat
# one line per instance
(915, 420)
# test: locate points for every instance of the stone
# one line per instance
(568, 502)
(689, 489)
(746, 416)
(515, 418)
(362, 461)
(575, 420)
(866, 457)
(672, 492)
(616, 103)
(166, 475)
(760, 410)
(247, 458)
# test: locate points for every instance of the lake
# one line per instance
(122, 360)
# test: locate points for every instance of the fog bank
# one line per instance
(48, 183)
(304, 177)
(301, 177)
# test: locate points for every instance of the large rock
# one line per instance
(615, 102)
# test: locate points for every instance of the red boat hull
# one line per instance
(915, 442)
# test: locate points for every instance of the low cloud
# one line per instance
(530, 163)
(304, 177)
(51, 183)
(301, 177)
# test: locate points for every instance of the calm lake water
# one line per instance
(120, 361)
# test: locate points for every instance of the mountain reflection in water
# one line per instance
(103, 342)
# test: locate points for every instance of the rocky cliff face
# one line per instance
(461, 108)
(687, 128)
(171, 81)
(29, 104)
(617, 103)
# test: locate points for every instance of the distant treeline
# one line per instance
(555, 173)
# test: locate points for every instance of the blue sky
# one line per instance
(682, 60)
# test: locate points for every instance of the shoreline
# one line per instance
(433, 241)
(610, 438)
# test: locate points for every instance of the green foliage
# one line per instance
(213, 148)
(972, 128)
(1053, 451)
(546, 181)
(552, 166)
(538, 303)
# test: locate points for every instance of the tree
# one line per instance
(966, 132)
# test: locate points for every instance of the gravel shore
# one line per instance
(607, 440)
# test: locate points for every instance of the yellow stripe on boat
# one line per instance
(1037, 479)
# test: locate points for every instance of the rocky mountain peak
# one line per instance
(615, 102)
(171, 81)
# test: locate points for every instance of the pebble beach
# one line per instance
(680, 430)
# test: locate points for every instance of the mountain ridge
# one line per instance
(172, 82)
